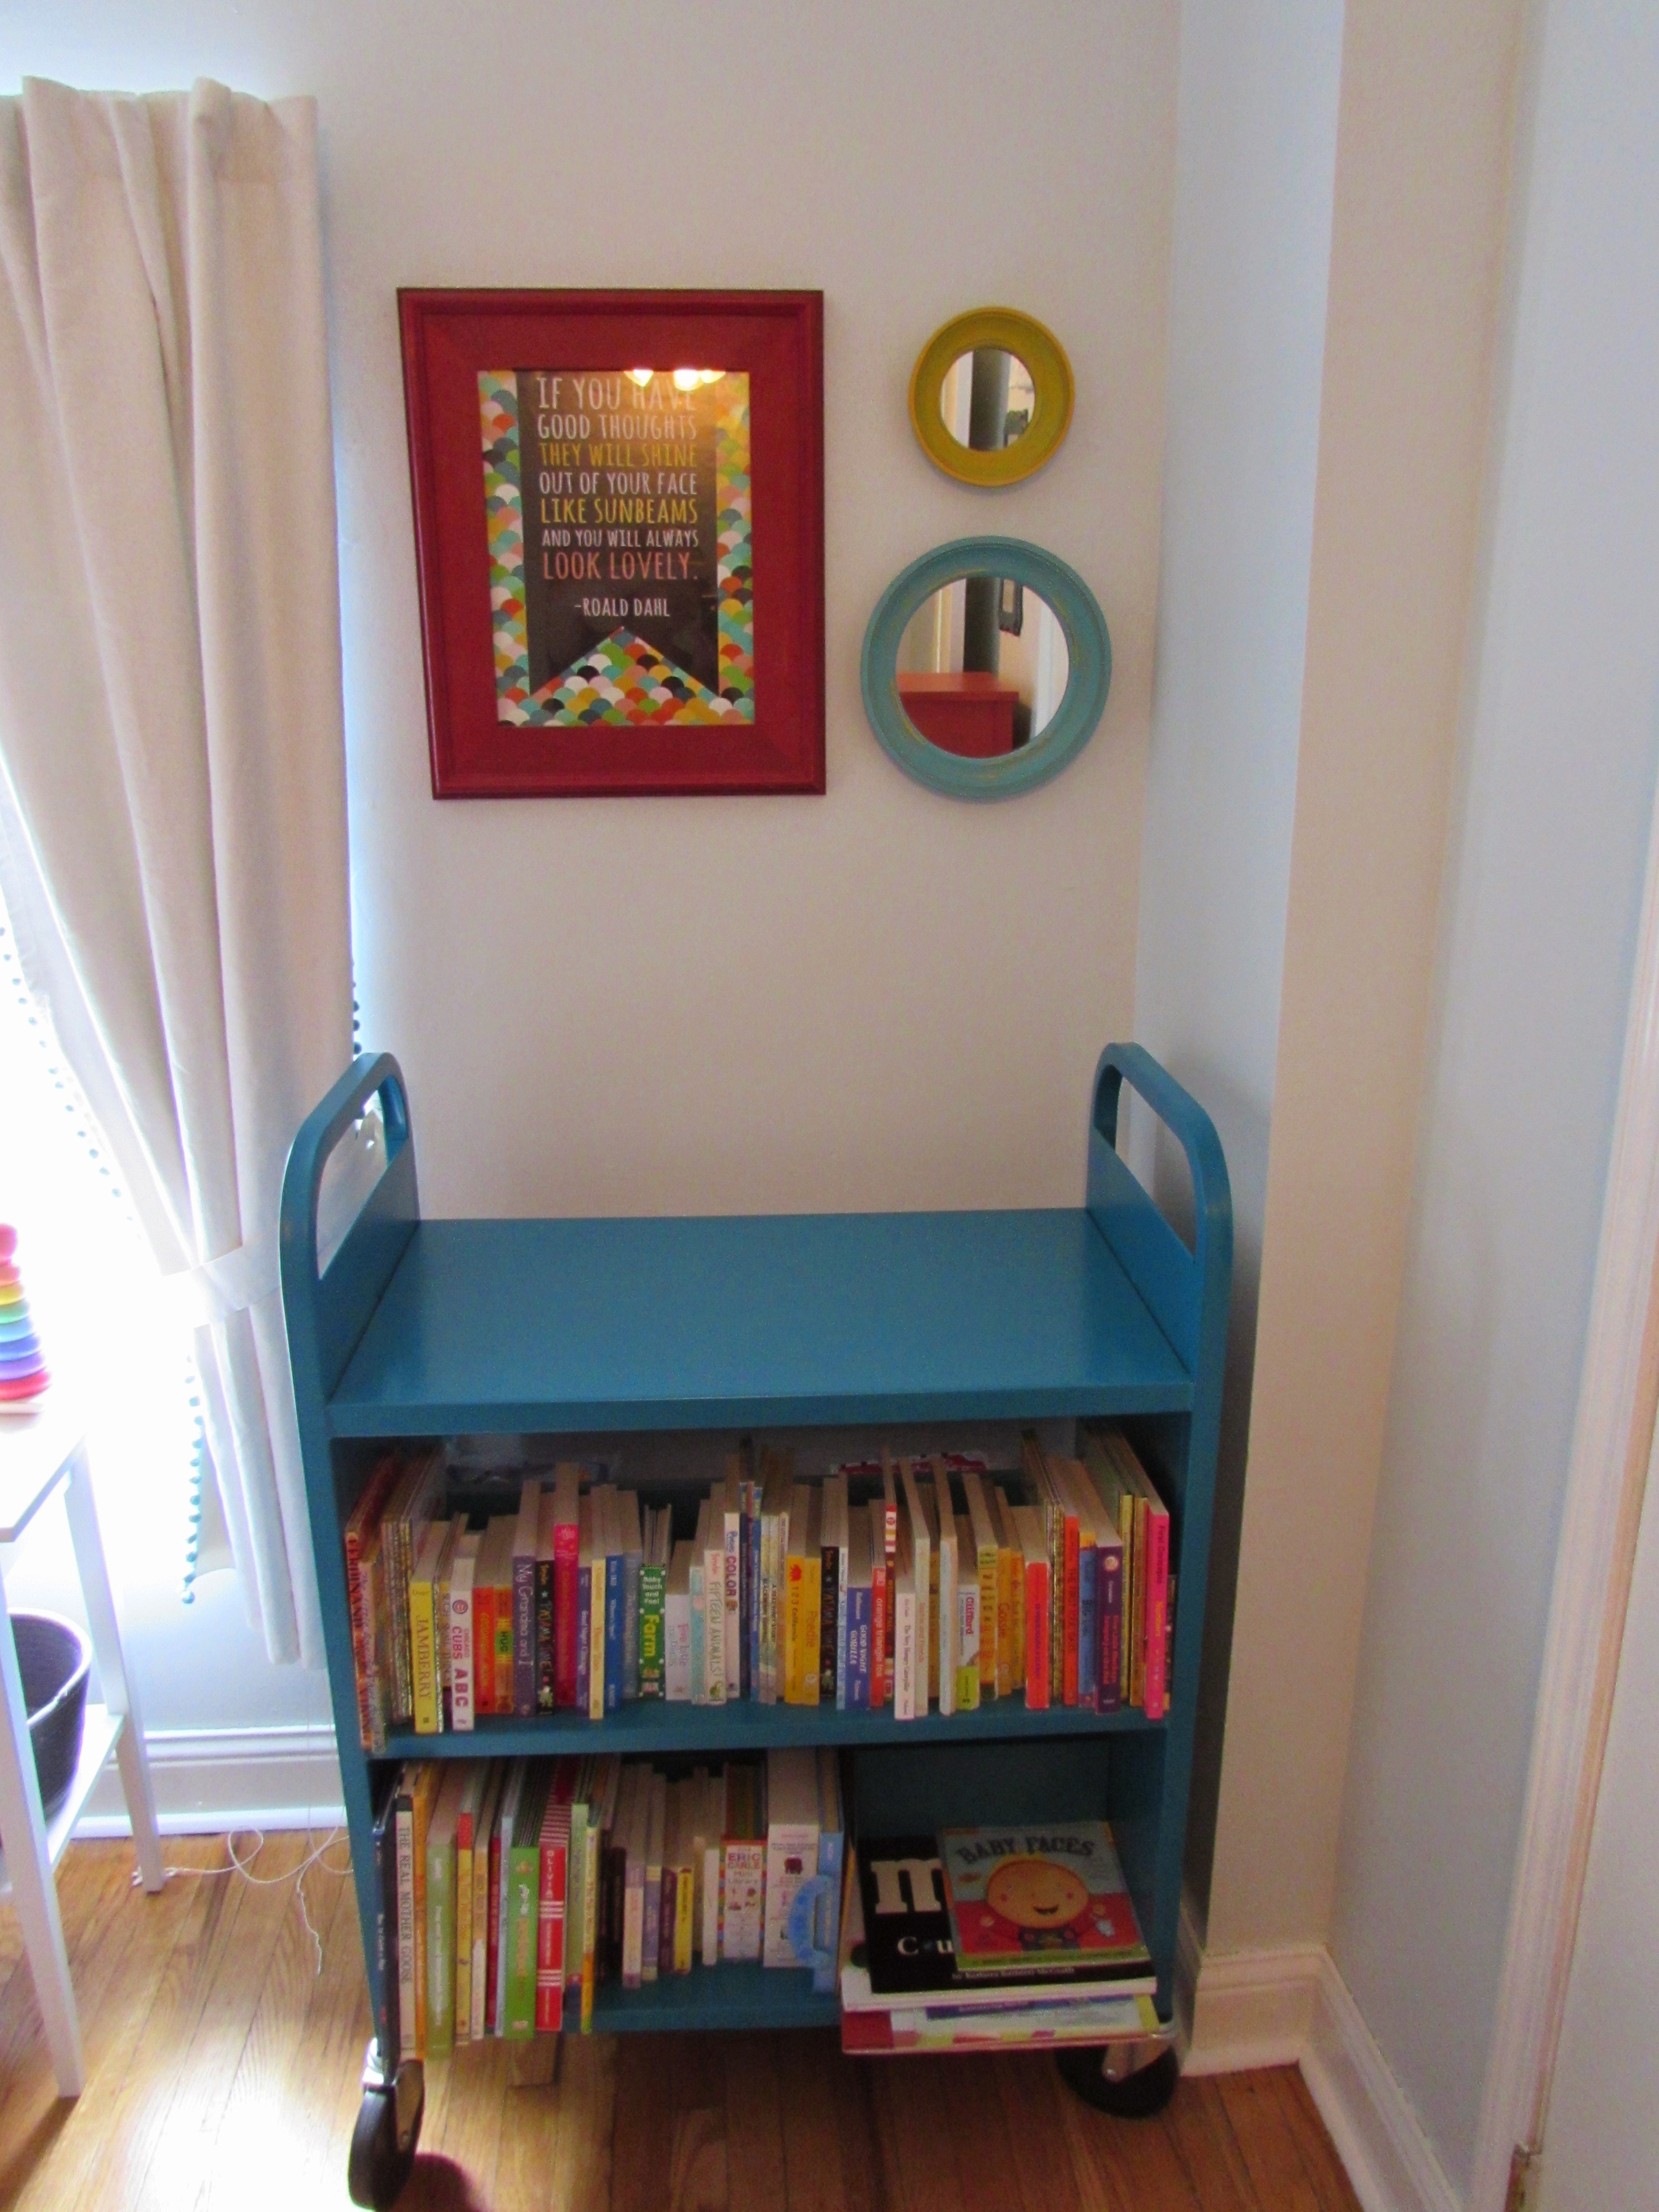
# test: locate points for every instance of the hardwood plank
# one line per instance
(697, 2177)
(1313, 2141)
(578, 2177)
(268, 2122)
(111, 2025)
(1266, 2142)
(224, 2070)
(754, 2124)
(643, 2127)
(918, 2149)
(1201, 2137)
(229, 1984)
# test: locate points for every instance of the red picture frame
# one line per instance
(701, 519)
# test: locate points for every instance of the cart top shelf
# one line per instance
(777, 1319)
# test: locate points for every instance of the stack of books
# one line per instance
(903, 1584)
(992, 1938)
(509, 1889)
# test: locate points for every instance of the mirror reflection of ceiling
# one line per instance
(982, 665)
(988, 399)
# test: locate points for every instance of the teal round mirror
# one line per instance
(986, 667)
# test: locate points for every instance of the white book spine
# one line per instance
(677, 1647)
(904, 1656)
(732, 1646)
(714, 1625)
(405, 1821)
(743, 1873)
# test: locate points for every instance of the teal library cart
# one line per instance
(423, 1329)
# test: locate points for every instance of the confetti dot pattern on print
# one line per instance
(625, 680)
(23, 1372)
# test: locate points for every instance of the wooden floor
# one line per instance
(223, 2071)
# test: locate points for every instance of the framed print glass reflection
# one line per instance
(619, 530)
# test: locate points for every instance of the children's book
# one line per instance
(1026, 1901)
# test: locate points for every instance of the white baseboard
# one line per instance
(209, 1781)
(1291, 2007)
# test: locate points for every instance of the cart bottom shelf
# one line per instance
(729, 1996)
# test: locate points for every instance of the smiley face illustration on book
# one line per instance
(1043, 1902)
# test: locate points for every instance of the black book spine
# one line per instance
(546, 1649)
(387, 2026)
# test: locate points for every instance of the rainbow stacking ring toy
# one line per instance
(23, 1372)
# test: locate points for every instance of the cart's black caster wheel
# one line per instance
(1136, 2096)
(382, 2159)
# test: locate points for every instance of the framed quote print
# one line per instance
(619, 533)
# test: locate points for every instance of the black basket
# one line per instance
(53, 1658)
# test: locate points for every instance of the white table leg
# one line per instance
(33, 1890)
(111, 1669)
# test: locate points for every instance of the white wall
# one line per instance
(1422, 177)
(1602, 2133)
(1557, 774)
(876, 997)
(1257, 149)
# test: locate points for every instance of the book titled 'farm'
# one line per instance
(1026, 1899)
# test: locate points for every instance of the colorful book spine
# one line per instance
(598, 1571)
(632, 1563)
(1088, 1625)
(654, 1591)
(615, 1620)
(546, 1607)
(553, 1874)
(462, 1570)
(1158, 1595)
(519, 1932)
(360, 1529)
(525, 1540)
(731, 1544)
(1110, 1606)
(566, 1485)
(859, 1648)
(423, 1635)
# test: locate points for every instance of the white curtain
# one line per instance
(172, 837)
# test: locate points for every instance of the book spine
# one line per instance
(524, 1634)
(404, 1820)
(519, 1937)
(828, 1623)
(402, 1676)
(699, 1622)
(650, 1926)
(503, 1611)
(461, 1643)
(1087, 1628)
(591, 1845)
(1038, 1640)
(751, 1594)
(794, 1577)
(546, 1655)
(713, 1861)
(990, 1618)
(379, 1633)
(743, 1882)
(1070, 1534)
(904, 1657)
(1135, 1513)
(615, 1613)
(359, 1632)
(653, 1583)
(944, 1615)
(423, 1654)
(677, 1648)
(550, 1939)
(632, 1928)
(1109, 1605)
(631, 1567)
(881, 1607)
(667, 1913)
(584, 1639)
(853, 1692)
(493, 1936)
(809, 1658)
(566, 1541)
(714, 1623)
(968, 1634)
(481, 2015)
(597, 1578)
(388, 2009)
(439, 1950)
(483, 1647)
(1157, 1593)
(731, 1641)
(685, 1902)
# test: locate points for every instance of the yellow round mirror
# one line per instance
(990, 397)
